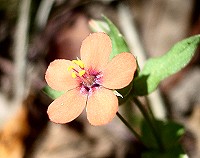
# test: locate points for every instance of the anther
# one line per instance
(79, 63)
(74, 75)
(70, 68)
(81, 73)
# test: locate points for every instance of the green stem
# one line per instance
(150, 109)
(150, 122)
(129, 127)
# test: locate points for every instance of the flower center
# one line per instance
(89, 79)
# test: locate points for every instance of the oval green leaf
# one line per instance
(157, 69)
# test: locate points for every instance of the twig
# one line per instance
(43, 13)
(20, 49)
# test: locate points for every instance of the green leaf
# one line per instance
(170, 134)
(157, 69)
(147, 136)
(119, 44)
(51, 92)
(176, 152)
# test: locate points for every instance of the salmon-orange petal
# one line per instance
(95, 50)
(101, 107)
(58, 77)
(120, 71)
(67, 107)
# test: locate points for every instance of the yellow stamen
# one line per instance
(70, 68)
(75, 72)
(74, 75)
(81, 73)
(79, 63)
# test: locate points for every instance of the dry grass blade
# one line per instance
(20, 49)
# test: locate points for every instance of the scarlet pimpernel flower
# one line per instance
(89, 82)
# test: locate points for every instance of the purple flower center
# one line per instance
(90, 81)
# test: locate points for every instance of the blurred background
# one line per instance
(35, 32)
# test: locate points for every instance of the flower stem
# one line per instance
(151, 123)
(129, 127)
(150, 109)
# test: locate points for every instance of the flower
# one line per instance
(89, 81)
